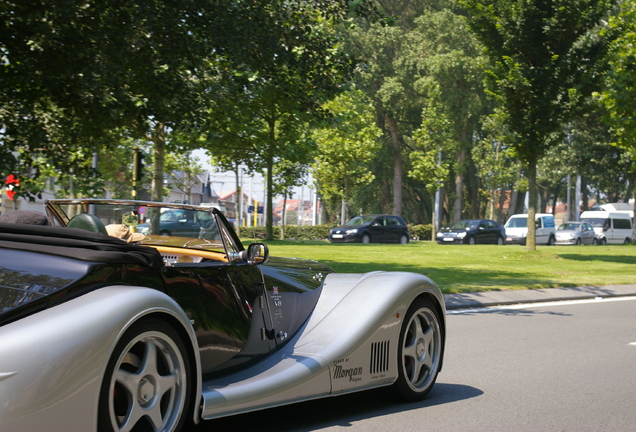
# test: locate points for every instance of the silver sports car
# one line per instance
(107, 327)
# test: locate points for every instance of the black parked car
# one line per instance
(372, 229)
(473, 231)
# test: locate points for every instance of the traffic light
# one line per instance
(138, 164)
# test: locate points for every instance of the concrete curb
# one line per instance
(500, 298)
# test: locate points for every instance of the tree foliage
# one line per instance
(544, 57)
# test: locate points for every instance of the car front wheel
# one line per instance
(551, 241)
(404, 239)
(146, 382)
(419, 352)
(472, 240)
(366, 238)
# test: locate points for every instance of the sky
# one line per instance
(253, 185)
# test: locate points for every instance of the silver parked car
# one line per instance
(575, 233)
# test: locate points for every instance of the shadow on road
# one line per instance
(341, 411)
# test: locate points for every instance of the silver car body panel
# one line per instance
(52, 362)
(52, 365)
(349, 343)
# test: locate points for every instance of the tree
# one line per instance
(449, 77)
(544, 57)
(346, 144)
(81, 68)
(388, 80)
(619, 95)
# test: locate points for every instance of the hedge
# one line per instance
(320, 232)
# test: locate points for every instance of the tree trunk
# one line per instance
(473, 188)
(397, 167)
(237, 202)
(269, 219)
(459, 185)
(502, 200)
(385, 203)
(159, 141)
(531, 239)
(282, 225)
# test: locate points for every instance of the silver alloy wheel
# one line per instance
(404, 239)
(148, 384)
(472, 240)
(366, 238)
(420, 351)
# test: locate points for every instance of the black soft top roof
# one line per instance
(76, 243)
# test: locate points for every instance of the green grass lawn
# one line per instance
(464, 268)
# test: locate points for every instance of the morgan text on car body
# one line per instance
(99, 334)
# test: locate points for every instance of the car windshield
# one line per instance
(361, 220)
(162, 224)
(518, 222)
(570, 227)
(596, 222)
(465, 224)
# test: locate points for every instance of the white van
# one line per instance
(610, 227)
(517, 229)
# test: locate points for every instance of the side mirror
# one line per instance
(256, 253)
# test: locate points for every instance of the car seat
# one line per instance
(87, 222)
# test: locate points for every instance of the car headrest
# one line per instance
(87, 222)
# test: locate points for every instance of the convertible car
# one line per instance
(142, 331)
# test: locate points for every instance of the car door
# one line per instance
(541, 232)
(377, 230)
(225, 303)
(587, 233)
(488, 231)
(394, 229)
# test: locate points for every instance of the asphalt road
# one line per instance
(538, 367)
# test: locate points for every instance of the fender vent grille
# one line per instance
(379, 357)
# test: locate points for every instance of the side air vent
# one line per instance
(379, 357)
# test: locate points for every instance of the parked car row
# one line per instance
(595, 227)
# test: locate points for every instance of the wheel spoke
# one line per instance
(419, 349)
(148, 386)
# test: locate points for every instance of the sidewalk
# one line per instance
(499, 298)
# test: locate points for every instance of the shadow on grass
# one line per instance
(455, 279)
(620, 259)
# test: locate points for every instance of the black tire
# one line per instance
(603, 241)
(627, 240)
(366, 238)
(419, 352)
(404, 239)
(551, 241)
(472, 240)
(594, 242)
(500, 241)
(165, 233)
(578, 241)
(146, 383)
